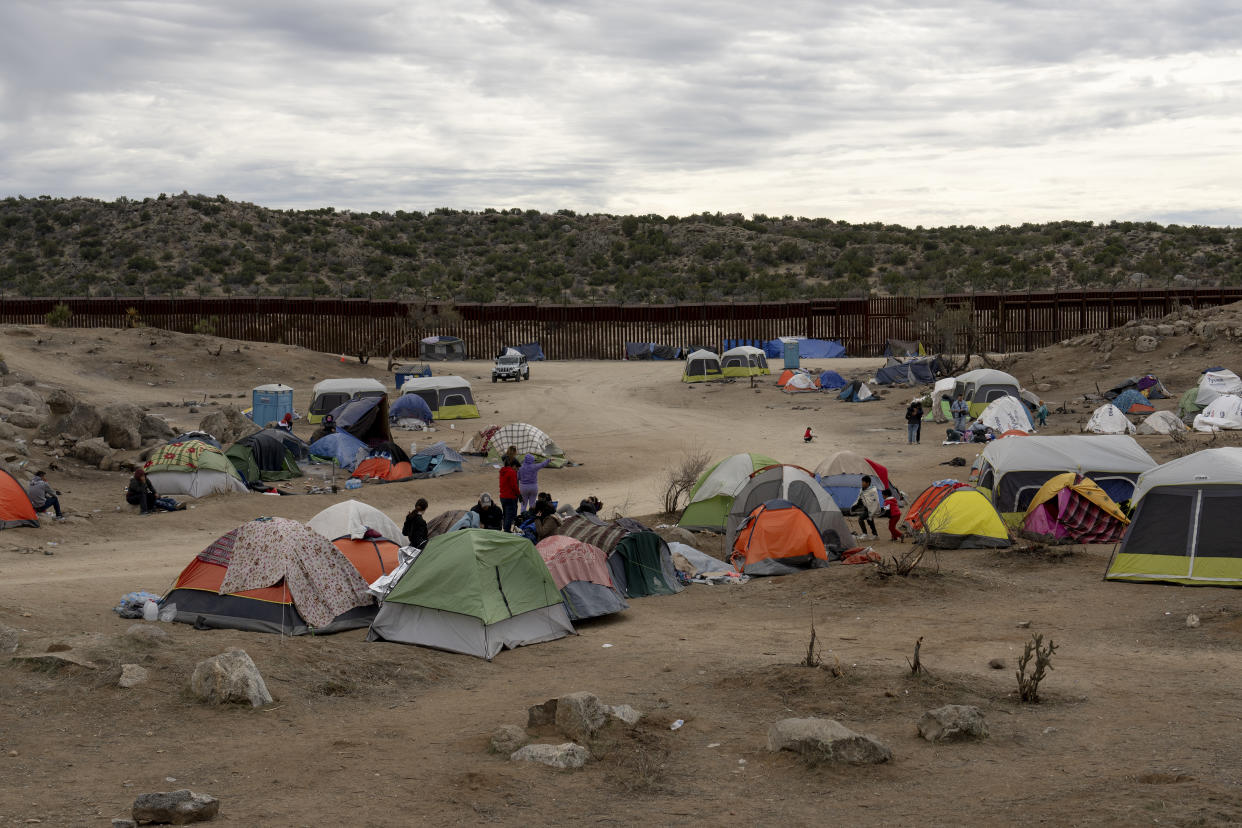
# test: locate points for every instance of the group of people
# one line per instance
(873, 503)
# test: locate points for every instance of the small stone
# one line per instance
(230, 677)
(952, 723)
(507, 739)
(1044, 387)
(997, 664)
(568, 755)
(540, 715)
(625, 713)
(827, 739)
(12, 753)
(580, 715)
(132, 675)
(9, 639)
(124, 823)
(177, 807)
(1145, 344)
(1192, 621)
(1022, 625)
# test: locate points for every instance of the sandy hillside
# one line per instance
(1138, 723)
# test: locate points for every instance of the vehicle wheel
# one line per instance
(493, 379)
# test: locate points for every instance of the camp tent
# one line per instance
(1005, 414)
(713, 493)
(474, 591)
(533, 351)
(1161, 422)
(355, 520)
(797, 486)
(15, 506)
(332, 393)
(194, 468)
(365, 418)
(265, 456)
(702, 366)
(841, 476)
(953, 515)
(758, 359)
(799, 383)
(1147, 384)
(528, 439)
(1011, 471)
(345, 450)
(856, 391)
(384, 462)
(904, 348)
(436, 460)
(642, 565)
(449, 398)
(831, 380)
(1108, 419)
(581, 573)
(939, 409)
(1071, 508)
(1223, 413)
(409, 407)
(277, 575)
(1217, 382)
(441, 348)
(1132, 401)
(738, 362)
(777, 538)
(788, 374)
(908, 371)
(982, 386)
(1185, 525)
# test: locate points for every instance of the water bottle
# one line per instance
(150, 611)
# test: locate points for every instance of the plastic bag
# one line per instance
(168, 612)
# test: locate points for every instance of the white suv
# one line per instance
(510, 366)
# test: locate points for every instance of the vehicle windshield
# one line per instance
(509, 360)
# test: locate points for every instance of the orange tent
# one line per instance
(777, 538)
(382, 468)
(15, 507)
(786, 374)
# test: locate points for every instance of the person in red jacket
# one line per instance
(894, 514)
(508, 493)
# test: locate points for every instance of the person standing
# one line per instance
(43, 496)
(509, 494)
(914, 421)
(960, 410)
(1042, 414)
(867, 507)
(415, 528)
(528, 479)
(894, 514)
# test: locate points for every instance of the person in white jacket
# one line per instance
(867, 507)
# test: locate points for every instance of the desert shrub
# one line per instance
(207, 325)
(682, 476)
(59, 316)
(1028, 685)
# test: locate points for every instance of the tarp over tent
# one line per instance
(807, 348)
(355, 520)
(1005, 414)
(345, 450)
(474, 591)
(1071, 508)
(1132, 401)
(330, 394)
(1161, 422)
(982, 386)
(1146, 384)
(942, 398)
(277, 575)
(642, 565)
(533, 351)
(831, 380)
(713, 494)
(912, 371)
(581, 572)
(856, 391)
(442, 348)
(1108, 419)
(777, 538)
(799, 487)
(1012, 471)
(365, 418)
(410, 407)
(651, 350)
(193, 468)
(702, 366)
(954, 515)
(15, 506)
(1217, 382)
(265, 456)
(1224, 413)
(1184, 529)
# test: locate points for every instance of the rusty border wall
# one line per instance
(1002, 322)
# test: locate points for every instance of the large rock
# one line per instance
(60, 402)
(567, 755)
(1165, 330)
(9, 640)
(508, 738)
(828, 740)
(1145, 344)
(229, 678)
(580, 716)
(1206, 331)
(82, 422)
(953, 723)
(175, 807)
(151, 427)
(23, 418)
(227, 425)
(21, 397)
(132, 675)
(93, 451)
(625, 713)
(119, 425)
(539, 715)
(676, 533)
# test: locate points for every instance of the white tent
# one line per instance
(1006, 414)
(800, 382)
(1215, 383)
(942, 390)
(1224, 413)
(1108, 419)
(1161, 422)
(352, 519)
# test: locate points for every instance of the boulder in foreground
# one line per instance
(567, 755)
(828, 740)
(230, 678)
(175, 807)
(953, 723)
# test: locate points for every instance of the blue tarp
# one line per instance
(1129, 398)
(830, 380)
(344, 449)
(410, 407)
(914, 371)
(533, 351)
(651, 350)
(730, 344)
(436, 460)
(807, 348)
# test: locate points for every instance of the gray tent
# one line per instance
(798, 486)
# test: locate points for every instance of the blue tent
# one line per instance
(1131, 401)
(342, 448)
(436, 460)
(807, 348)
(831, 380)
(912, 371)
(410, 407)
(533, 351)
(842, 488)
(856, 391)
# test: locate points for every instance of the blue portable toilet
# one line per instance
(270, 403)
(409, 371)
(791, 352)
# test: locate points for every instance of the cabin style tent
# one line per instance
(1070, 508)
(1012, 471)
(1224, 413)
(702, 366)
(266, 456)
(365, 418)
(449, 398)
(581, 572)
(712, 495)
(982, 386)
(1108, 419)
(15, 507)
(797, 486)
(758, 359)
(955, 515)
(1184, 529)
(1006, 414)
(279, 576)
(330, 394)
(441, 349)
(474, 591)
(194, 468)
(739, 362)
(777, 538)
(1161, 422)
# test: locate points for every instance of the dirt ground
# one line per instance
(1139, 721)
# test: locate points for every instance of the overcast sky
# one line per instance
(904, 112)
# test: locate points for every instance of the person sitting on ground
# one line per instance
(286, 422)
(326, 426)
(590, 506)
(866, 508)
(43, 496)
(415, 528)
(808, 435)
(142, 494)
(546, 521)
(490, 515)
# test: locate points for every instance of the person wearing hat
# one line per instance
(142, 494)
(490, 515)
(43, 496)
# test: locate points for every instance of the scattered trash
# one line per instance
(606, 646)
(714, 744)
(677, 724)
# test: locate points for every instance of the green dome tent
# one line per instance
(712, 496)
